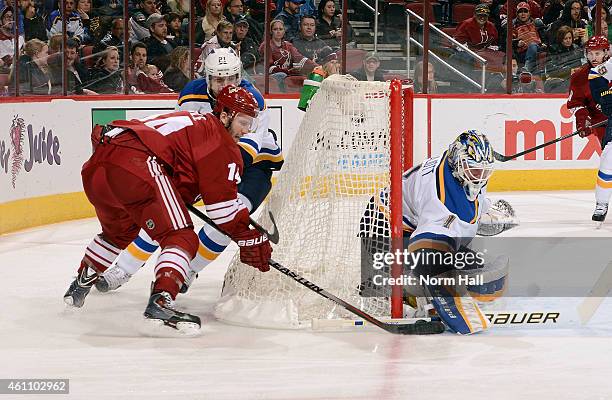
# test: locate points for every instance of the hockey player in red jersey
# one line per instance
(142, 173)
(580, 101)
(585, 109)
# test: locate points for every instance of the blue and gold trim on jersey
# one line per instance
(452, 195)
(249, 146)
(272, 155)
(432, 241)
(193, 97)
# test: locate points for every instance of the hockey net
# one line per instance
(341, 158)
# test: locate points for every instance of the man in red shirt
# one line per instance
(142, 173)
(587, 113)
(478, 32)
(525, 33)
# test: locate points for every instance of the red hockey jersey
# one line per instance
(202, 159)
(581, 103)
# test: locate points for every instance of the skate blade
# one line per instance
(157, 328)
(598, 224)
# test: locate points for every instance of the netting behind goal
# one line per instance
(339, 160)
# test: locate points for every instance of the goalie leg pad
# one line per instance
(459, 312)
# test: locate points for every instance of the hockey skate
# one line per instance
(79, 288)
(599, 215)
(112, 279)
(160, 311)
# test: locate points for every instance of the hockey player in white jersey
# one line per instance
(261, 155)
(444, 200)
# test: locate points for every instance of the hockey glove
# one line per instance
(583, 123)
(255, 249)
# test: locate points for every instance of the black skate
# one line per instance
(599, 215)
(79, 288)
(160, 310)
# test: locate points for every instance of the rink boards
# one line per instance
(43, 144)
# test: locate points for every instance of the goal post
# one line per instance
(341, 182)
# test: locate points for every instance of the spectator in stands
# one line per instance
(138, 59)
(235, 11)
(150, 80)
(307, 41)
(327, 59)
(477, 33)
(370, 71)
(179, 7)
(256, 9)
(108, 8)
(247, 48)
(158, 44)
(113, 38)
(290, 17)
(212, 17)
(55, 43)
(565, 56)
(605, 24)
(138, 21)
(432, 85)
(173, 21)
(77, 73)
(177, 74)
(7, 39)
(329, 26)
(572, 11)
(33, 68)
(106, 76)
(284, 59)
(33, 24)
(552, 11)
(74, 23)
(534, 9)
(526, 36)
(84, 9)
(223, 38)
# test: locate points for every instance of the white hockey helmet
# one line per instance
(470, 157)
(222, 62)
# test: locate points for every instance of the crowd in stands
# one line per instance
(547, 39)
(158, 32)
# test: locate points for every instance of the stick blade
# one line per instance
(500, 157)
(418, 328)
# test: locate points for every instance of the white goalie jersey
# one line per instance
(436, 211)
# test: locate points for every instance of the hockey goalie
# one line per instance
(444, 207)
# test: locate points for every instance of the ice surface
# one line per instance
(101, 350)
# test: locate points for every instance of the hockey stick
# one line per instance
(502, 158)
(418, 328)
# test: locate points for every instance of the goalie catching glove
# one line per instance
(499, 217)
(255, 249)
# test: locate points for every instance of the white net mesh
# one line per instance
(337, 162)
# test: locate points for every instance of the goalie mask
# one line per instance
(222, 67)
(470, 157)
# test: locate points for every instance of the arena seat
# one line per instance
(462, 11)
(418, 9)
(87, 56)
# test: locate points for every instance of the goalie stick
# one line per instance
(418, 328)
(503, 158)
